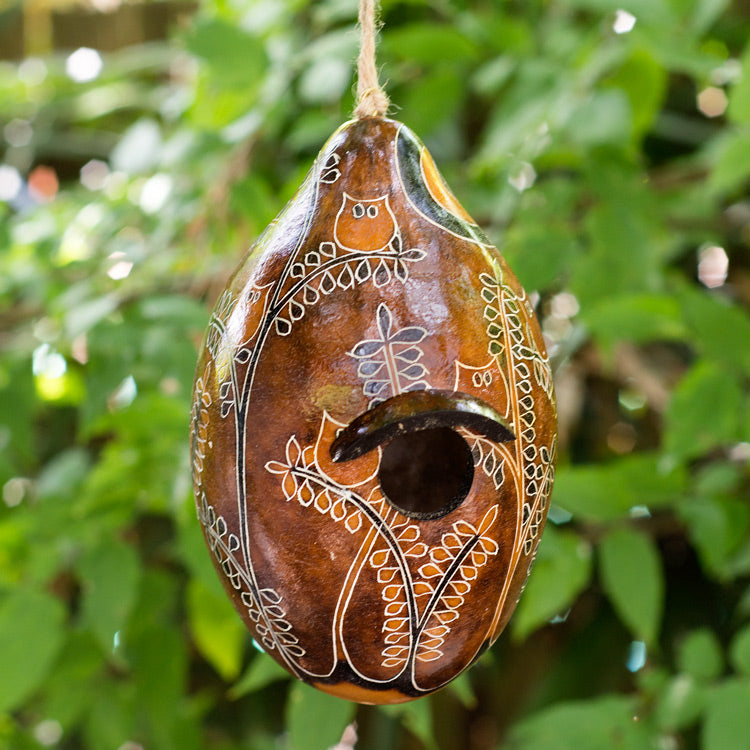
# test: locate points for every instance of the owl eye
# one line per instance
(358, 210)
(427, 468)
(372, 211)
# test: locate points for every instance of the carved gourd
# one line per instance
(373, 432)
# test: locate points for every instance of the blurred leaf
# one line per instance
(217, 629)
(491, 76)
(633, 579)
(606, 117)
(706, 12)
(63, 475)
(416, 716)
(649, 11)
(739, 95)
(159, 662)
(111, 719)
(739, 653)
(314, 719)
(427, 106)
(520, 122)
(147, 449)
(253, 198)
(717, 527)
(604, 722)
(174, 311)
(700, 655)
(636, 317)
(72, 684)
(727, 720)
(720, 330)
(14, 549)
(325, 81)
(624, 178)
(157, 602)
(604, 492)
(718, 478)
(235, 57)
(17, 388)
(703, 411)
(464, 690)
(428, 44)
(539, 252)
(139, 148)
(216, 107)
(109, 577)
(31, 633)
(589, 492)
(620, 259)
(263, 670)
(731, 153)
(341, 43)
(562, 569)
(680, 703)
(644, 81)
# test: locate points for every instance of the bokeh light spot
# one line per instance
(624, 22)
(713, 266)
(85, 64)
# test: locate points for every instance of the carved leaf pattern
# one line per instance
(487, 457)
(444, 577)
(533, 513)
(396, 624)
(264, 606)
(199, 419)
(390, 364)
(504, 313)
(320, 271)
(301, 480)
(452, 570)
(217, 324)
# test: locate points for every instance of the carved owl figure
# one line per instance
(364, 224)
(373, 427)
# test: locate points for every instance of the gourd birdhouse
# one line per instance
(373, 432)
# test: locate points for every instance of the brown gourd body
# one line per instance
(373, 306)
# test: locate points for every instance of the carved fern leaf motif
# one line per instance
(390, 364)
(330, 171)
(449, 576)
(319, 272)
(302, 481)
(417, 608)
(199, 419)
(533, 512)
(487, 458)
(396, 625)
(217, 326)
(502, 309)
(264, 606)
(512, 341)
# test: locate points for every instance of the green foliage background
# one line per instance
(586, 156)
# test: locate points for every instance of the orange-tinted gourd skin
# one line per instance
(371, 283)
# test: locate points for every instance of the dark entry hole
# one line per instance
(428, 473)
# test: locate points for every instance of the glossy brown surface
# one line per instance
(372, 283)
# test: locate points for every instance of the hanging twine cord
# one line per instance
(371, 99)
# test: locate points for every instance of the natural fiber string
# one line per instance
(371, 99)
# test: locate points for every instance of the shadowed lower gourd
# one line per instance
(373, 429)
